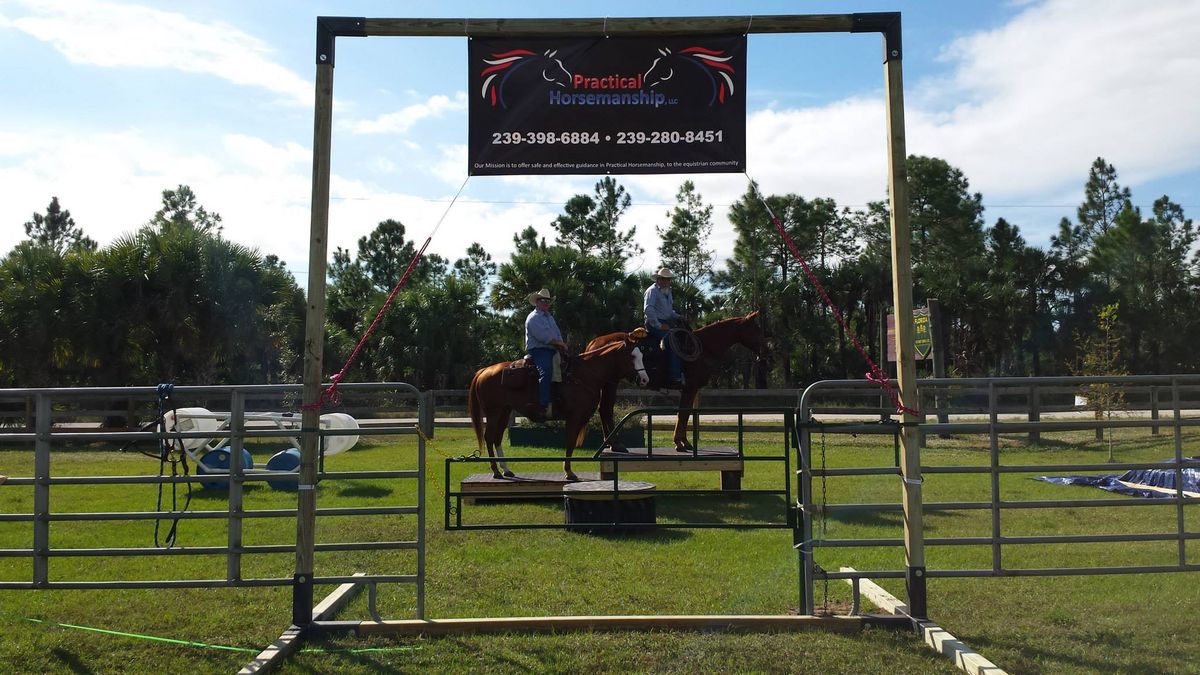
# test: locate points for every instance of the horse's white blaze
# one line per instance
(638, 366)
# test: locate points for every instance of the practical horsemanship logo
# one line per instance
(504, 64)
(683, 70)
(708, 61)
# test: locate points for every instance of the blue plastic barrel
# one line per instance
(217, 462)
(286, 461)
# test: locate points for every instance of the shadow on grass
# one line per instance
(69, 660)
(1047, 658)
(364, 491)
(725, 509)
(646, 536)
(872, 518)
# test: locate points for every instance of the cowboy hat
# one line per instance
(663, 273)
(544, 293)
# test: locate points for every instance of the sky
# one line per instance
(107, 103)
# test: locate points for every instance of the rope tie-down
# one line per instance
(875, 373)
(330, 394)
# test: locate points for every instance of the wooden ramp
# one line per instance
(543, 485)
(711, 458)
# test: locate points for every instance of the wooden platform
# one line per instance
(547, 483)
(712, 458)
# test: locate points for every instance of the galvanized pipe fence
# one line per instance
(994, 407)
(998, 400)
(79, 413)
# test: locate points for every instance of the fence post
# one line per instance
(425, 412)
(237, 471)
(41, 491)
(937, 332)
(1153, 408)
(1035, 413)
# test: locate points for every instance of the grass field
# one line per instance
(1125, 623)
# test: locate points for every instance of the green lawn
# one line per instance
(1126, 623)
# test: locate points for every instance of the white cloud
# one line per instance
(1064, 82)
(113, 35)
(402, 120)
(112, 184)
(356, 208)
(452, 167)
(1024, 110)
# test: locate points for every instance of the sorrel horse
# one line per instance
(591, 372)
(715, 339)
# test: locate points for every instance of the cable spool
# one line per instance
(685, 343)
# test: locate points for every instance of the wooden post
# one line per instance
(938, 335)
(425, 412)
(314, 342)
(906, 364)
(1035, 413)
(1153, 408)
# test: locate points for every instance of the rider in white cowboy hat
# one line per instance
(542, 337)
(660, 313)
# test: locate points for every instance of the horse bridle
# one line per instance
(641, 370)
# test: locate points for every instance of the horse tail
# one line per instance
(475, 409)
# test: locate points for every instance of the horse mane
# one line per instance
(717, 326)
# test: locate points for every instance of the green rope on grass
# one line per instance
(139, 636)
(205, 645)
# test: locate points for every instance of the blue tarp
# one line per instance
(1137, 482)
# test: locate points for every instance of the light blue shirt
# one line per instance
(659, 309)
(540, 329)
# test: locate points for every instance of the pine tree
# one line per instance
(57, 230)
(683, 248)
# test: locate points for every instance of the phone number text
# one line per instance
(595, 138)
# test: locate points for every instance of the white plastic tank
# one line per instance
(191, 419)
(339, 421)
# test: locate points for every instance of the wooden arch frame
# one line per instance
(331, 28)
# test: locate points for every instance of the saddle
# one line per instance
(654, 356)
(522, 373)
(518, 374)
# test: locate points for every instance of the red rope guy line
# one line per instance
(330, 394)
(875, 374)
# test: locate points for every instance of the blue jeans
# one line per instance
(543, 358)
(674, 364)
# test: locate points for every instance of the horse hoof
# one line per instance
(618, 448)
(497, 474)
(509, 474)
(572, 478)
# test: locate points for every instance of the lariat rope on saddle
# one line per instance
(685, 343)
(330, 394)
(875, 374)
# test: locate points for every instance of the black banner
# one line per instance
(607, 105)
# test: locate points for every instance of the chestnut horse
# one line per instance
(715, 339)
(591, 372)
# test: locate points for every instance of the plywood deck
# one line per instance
(710, 458)
(547, 484)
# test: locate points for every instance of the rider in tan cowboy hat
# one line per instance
(660, 313)
(542, 337)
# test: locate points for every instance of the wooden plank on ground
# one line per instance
(878, 595)
(849, 624)
(287, 644)
(283, 646)
(965, 658)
